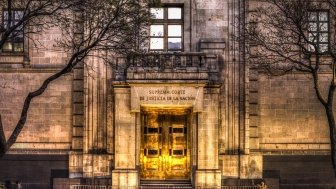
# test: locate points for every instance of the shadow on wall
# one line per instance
(32, 171)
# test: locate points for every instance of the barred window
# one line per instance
(318, 27)
(15, 41)
(166, 32)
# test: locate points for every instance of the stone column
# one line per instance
(125, 172)
(96, 159)
(208, 173)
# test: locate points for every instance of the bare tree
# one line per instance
(115, 26)
(21, 18)
(293, 35)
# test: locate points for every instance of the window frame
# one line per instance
(166, 22)
(12, 40)
(318, 31)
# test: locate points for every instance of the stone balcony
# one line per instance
(182, 67)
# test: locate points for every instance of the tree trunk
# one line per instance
(332, 130)
(3, 145)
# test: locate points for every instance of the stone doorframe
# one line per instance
(204, 102)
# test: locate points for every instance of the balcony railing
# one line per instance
(163, 187)
(173, 60)
(182, 64)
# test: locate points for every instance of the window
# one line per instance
(15, 40)
(166, 32)
(318, 27)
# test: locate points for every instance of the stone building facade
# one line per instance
(200, 115)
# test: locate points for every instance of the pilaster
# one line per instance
(96, 158)
(207, 173)
(125, 173)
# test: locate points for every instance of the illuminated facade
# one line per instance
(196, 112)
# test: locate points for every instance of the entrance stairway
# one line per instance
(163, 184)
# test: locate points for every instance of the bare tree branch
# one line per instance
(282, 40)
(110, 27)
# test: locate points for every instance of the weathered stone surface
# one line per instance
(249, 167)
(291, 118)
(49, 117)
(207, 178)
(238, 115)
(78, 85)
(125, 178)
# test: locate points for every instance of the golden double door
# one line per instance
(165, 147)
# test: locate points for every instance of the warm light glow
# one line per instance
(165, 149)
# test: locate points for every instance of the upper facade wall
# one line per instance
(285, 114)
(43, 50)
(39, 50)
(291, 117)
(210, 21)
(48, 125)
(202, 19)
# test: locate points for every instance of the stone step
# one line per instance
(165, 183)
(241, 182)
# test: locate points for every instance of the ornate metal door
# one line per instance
(165, 147)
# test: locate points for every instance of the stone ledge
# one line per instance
(167, 76)
(40, 146)
(38, 151)
(11, 58)
(294, 146)
(290, 152)
(211, 43)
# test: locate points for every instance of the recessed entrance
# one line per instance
(165, 144)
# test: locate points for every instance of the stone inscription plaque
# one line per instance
(191, 96)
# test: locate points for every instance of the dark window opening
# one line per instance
(14, 43)
(152, 130)
(318, 27)
(153, 152)
(178, 130)
(178, 152)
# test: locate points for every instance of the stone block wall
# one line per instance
(298, 171)
(43, 49)
(210, 19)
(285, 115)
(242, 166)
(207, 131)
(208, 173)
(49, 118)
(65, 183)
(48, 126)
(291, 118)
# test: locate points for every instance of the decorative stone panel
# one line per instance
(167, 95)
